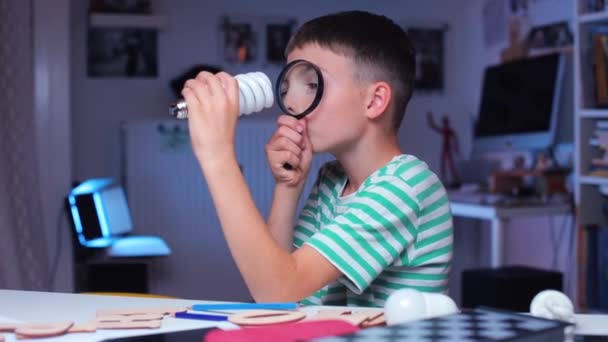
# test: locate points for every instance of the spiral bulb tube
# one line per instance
(255, 94)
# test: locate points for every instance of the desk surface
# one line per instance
(30, 306)
(27, 306)
(489, 211)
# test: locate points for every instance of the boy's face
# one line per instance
(338, 121)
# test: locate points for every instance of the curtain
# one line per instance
(23, 244)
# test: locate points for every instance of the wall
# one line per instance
(52, 115)
(191, 37)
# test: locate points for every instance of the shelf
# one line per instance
(593, 180)
(593, 113)
(595, 17)
(127, 20)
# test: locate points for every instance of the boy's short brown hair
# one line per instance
(380, 48)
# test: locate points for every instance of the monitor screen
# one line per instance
(519, 104)
(99, 211)
(116, 209)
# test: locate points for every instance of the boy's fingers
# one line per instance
(230, 85)
(282, 143)
(192, 88)
(290, 134)
(289, 158)
(290, 121)
(306, 145)
(215, 86)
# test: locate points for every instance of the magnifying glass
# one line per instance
(298, 91)
(299, 88)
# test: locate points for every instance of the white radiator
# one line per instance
(168, 197)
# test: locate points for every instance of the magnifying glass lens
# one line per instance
(299, 88)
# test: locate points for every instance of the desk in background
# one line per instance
(499, 216)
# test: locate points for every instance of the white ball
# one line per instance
(438, 304)
(552, 304)
(404, 305)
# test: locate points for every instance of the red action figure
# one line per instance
(449, 146)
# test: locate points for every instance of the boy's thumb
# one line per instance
(307, 143)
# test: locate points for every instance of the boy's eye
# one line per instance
(283, 91)
(312, 86)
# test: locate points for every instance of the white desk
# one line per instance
(499, 217)
(27, 306)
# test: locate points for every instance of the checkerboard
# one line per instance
(481, 324)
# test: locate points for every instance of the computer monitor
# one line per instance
(101, 220)
(99, 212)
(519, 105)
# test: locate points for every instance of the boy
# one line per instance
(376, 220)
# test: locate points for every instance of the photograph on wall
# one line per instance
(277, 37)
(428, 45)
(121, 6)
(122, 52)
(550, 36)
(239, 41)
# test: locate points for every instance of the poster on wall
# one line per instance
(121, 6)
(122, 52)
(428, 45)
(278, 32)
(250, 40)
(239, 40)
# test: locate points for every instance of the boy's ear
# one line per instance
(378, 99)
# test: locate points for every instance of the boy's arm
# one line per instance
(282, 214)
(270, 271)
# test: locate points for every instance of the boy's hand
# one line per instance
(289, 145)
(213, 105)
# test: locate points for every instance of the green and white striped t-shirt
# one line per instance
(394, 232)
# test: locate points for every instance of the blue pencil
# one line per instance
(245, 306)
(203, 317)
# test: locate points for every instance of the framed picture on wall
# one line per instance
(239, 39)
(429, 48)
(121, 6)
(277, 33)
(550, 36)
(122, 52)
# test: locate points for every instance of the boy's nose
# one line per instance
(291, 105)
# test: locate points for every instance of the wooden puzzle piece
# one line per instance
(38, 330)
(128, 312)
(129, 325)
(145, 321)
(264, 317)
(374, 319)
(130, 318)
(8, 327)
(342, 315)
(366, 318)
(89, 327)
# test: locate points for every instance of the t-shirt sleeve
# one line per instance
(372, 232)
